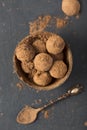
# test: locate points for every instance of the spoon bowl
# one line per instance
(27, 115)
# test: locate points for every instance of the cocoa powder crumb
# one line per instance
(38, 101)
(42, 22)
(46, 114)
(66, 18)
(60, 22)
(85, 124)
(20, 85)
(77, 16)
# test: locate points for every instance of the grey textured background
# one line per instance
(66, 115)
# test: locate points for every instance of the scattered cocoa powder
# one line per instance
(42, 22)
(77, 16)
(85, 124)
(39, 24)
(38, 101)
(60, 22)
(46, 114)
(66, 18)
(20, 85)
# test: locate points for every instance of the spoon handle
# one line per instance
(76, 89)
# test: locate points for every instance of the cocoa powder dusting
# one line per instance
(25, 115)
(85, 124)
(39, 24)
(20, 85)
(66, 18)
(77, 16)
(60, 23)
(46, 114)
(42, 22)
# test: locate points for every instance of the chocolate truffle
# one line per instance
(58, 69)
(39, 46)
(43, 62)
(42, 79)
(55, 44)
(25, 52)
(32, 73)
(70, 7)
(27, 66)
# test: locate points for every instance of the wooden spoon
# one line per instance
(29, 114)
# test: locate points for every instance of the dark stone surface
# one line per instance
(66, 115)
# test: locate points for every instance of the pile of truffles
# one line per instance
(43, 61)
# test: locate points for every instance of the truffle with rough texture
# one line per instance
(25, 52)
(32, 73)
(55, 44)
(39, 46)
(42, 79)
(43, 62)
(27, 66)
(58, 69)
(70, 7)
